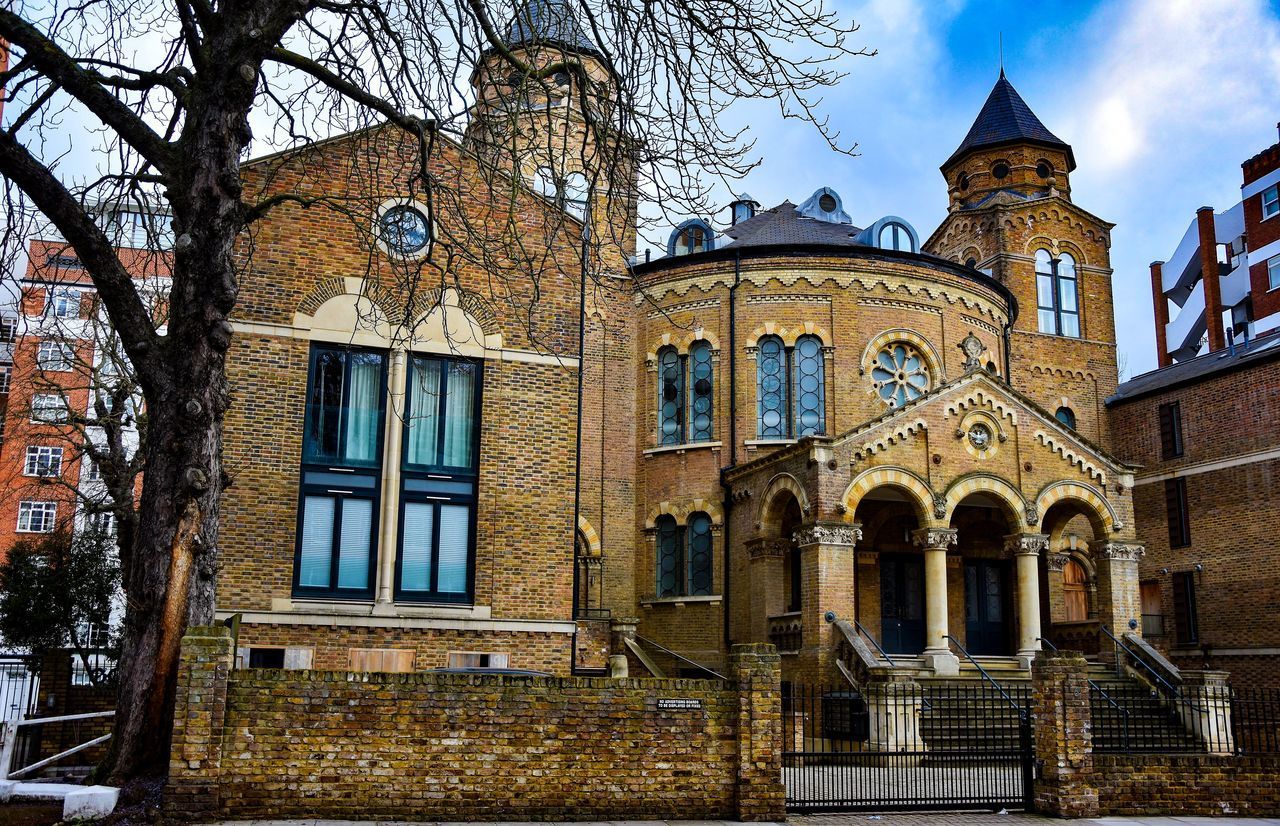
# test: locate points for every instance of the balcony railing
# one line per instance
(786, 632)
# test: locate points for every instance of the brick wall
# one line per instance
(262, 743)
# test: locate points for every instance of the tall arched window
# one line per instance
(790, 388)
(1057, 294)
(1066, 416)
(1074, 592)
(895, 236)
(670, 397)
(685, 388)
(684, 556)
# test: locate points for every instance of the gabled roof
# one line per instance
(548, 23)
(785, 225)
(1007, 119)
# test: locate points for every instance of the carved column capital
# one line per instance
(767, 547)
(1028, 544)
(934, 538)
(828, 533)
(1118, 551)
(1056, 562)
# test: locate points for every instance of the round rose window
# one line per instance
(899, 374)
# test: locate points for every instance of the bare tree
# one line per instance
(172, 91)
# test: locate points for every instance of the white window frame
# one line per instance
(58, 302)
(55, 356)
(44, 461)
(40, 402)
(28, 511)
(104, 522)
(1273, 273)
(6, 376)
(1271, 201)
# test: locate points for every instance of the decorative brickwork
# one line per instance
(261, 743)
(1063, 740)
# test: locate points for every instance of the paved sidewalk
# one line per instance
(846, 819)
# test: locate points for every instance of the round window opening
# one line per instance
(980, 436)
(963, 183)
(899, 374)
(827, 202)
(404, 230)
(1043, 169)
(1000, 170)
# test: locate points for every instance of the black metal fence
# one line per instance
(900, 746)
(1133, 719)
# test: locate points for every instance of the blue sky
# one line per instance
(1161, 99)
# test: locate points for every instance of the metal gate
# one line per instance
(896, 747)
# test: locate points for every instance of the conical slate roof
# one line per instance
(1007, 119)
(548, 23)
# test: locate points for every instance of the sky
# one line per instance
(1162, 100)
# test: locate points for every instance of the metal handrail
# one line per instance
(9, 737)
(1124, 712)
(1173, 691)
(1022, 712)
(681, 657)
(867, 634)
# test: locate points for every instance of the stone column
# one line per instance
(893, 712)
(390, 504)
(1119, 600)
(827, 559)
(1026, 549)
(756, 669)
(1206, 709)
(200, 705)
(937, 649)
(1063, 735)
(767, 582)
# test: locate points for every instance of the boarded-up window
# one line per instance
(394, 660)
(462, 659)
(1170, 430)
(1074, 591)
(1175, 501)
(290, 658)
(1152, 609)
(1186, 625)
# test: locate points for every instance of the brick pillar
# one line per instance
(195, 762)
(768, 587)
(827, 559)
(1063, 737)
(756, 669)
(1209, 270)
(1118, 599)
(1162, 312)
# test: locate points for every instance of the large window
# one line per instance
(43, 460)
(1170, 430)
(684, 556)
(54, 356)
(685, 395)
(1271, 202)
(1273, 273)
(342, 449)
(37, 517)
(1186, 621)
(438, 494)
(790, 388)
(1176, 512)
(1057, 294)
(65, 302)
(49, 408)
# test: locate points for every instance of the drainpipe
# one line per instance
(733, 435)
(577, 470)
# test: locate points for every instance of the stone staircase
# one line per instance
(1139, 721)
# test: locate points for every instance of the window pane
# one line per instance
(1273, 273)
(1071, 325)
(353, 555)
(459, 412)
(1067, 295)
(1044, 264)
(1271, 202)
(455, 540)
(364, 407)
(324, 405)
(669, 584)
(771, 389)
(415, 551)
(810, 401)
(699, 554)
(424, 412)
(1048, 324)
(700, 406)
(1044, 291)
(670, 397)
(317, 542)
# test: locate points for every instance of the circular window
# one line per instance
(827, 202)
(404, 230)
(560, 79)
(899, 374)
(1043, 169)
(963, 182)
(1000, 171)
(980, 436)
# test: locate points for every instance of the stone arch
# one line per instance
(911, 337)
(918, 492)
(681, 511)
(1087, 499)
(348, 311)
(789, 335)
(681, 343)
(444, 320)
(698, 335)
(772, 503)
(1015, 506)
(472, 304)
(589, 537)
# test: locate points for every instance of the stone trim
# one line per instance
(935, 538)
(1119, 551)
(828, 533)
(366, 620)
(1026, 544)
(767, 547)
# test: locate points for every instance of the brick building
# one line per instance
(1203, 429)
(784, 417)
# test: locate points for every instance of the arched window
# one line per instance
(692, 236)
(670, 397)
(790, 388)
(1067, 416)
(684, 556)
(1074, 592)
(574, 194)
(685, 387)
(900, 374)
(895, 236)
(1057, 296)
(700, 386)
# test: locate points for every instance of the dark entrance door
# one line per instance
(902, 603)
(986, 606)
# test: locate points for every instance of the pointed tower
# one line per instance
(1011, 216)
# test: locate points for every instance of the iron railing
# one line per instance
(1022, 709)
(884, 654)
(681, 658)
(1255, 720)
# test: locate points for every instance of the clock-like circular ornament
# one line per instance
(404, 230)
(980, 436)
